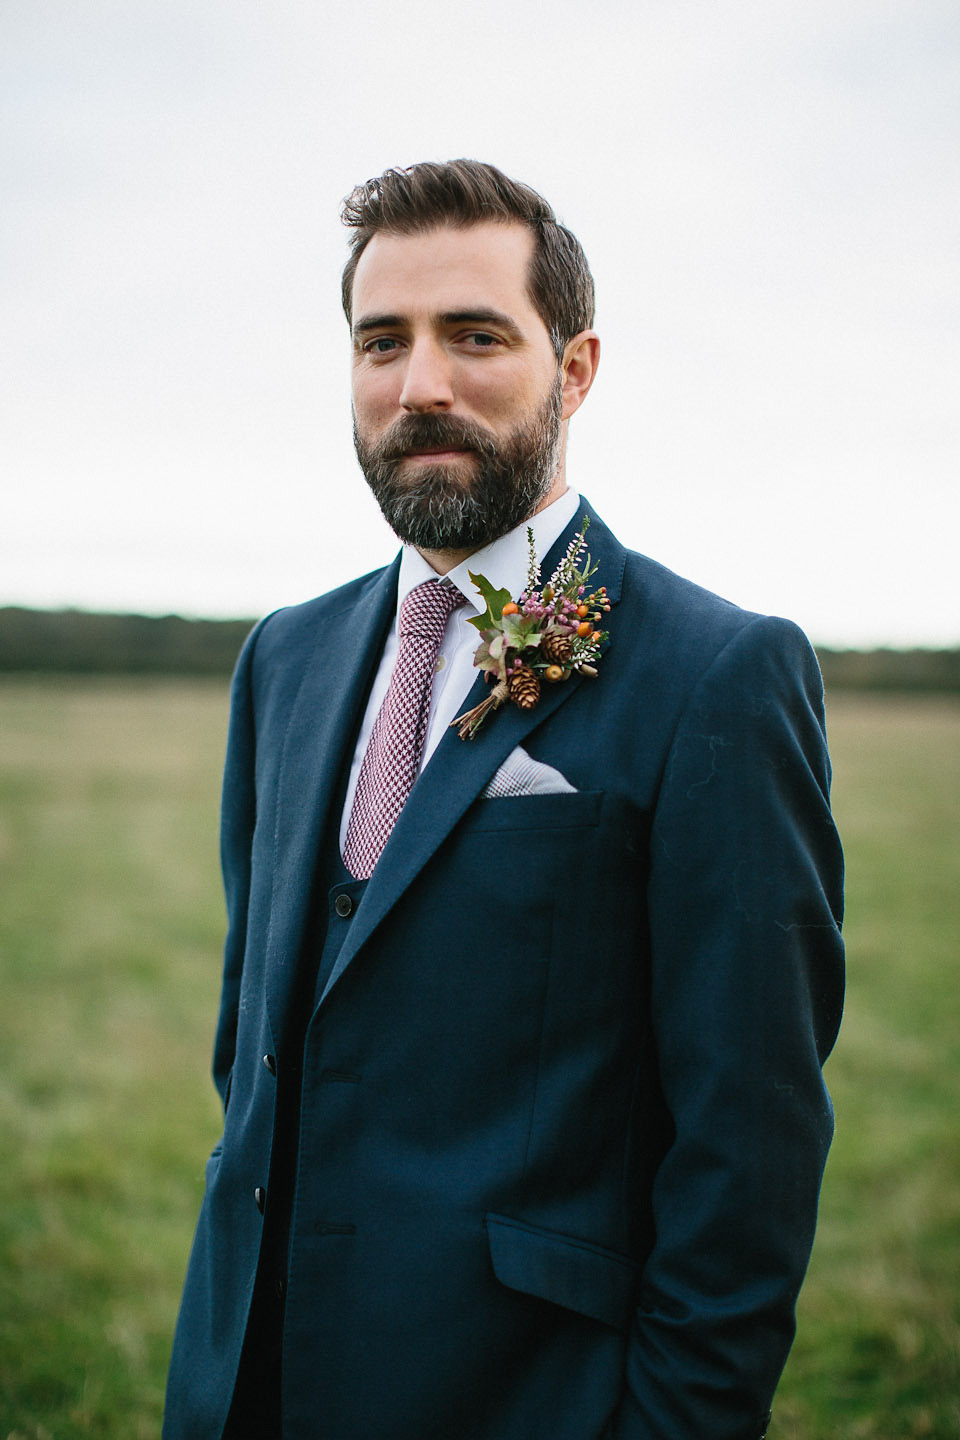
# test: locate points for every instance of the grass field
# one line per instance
(110, 931)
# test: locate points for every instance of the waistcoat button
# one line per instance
(343, 906)
(260, 1196)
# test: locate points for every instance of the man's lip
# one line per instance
(436, 453)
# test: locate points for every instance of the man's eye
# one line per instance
(482, 340)
(382, 345)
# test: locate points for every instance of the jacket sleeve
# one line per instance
(745, 906)
(238, 814)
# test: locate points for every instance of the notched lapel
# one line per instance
(323, 722)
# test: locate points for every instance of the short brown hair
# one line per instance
(467, 192)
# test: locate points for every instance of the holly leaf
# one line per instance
(494, 599)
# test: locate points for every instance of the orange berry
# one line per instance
(584, 629)
(511, 608)
(598, 634)
(583, 611)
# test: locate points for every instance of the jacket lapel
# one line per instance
(459, 769)
(323, 722)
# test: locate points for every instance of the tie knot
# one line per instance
(426, 609)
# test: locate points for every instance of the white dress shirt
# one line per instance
(504, 563)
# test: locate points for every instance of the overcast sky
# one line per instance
(768, 192)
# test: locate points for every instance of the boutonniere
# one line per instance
(545, 635)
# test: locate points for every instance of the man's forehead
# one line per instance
(438, 268)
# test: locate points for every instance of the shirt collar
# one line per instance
(504, 562)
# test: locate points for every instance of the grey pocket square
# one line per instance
(520, 774)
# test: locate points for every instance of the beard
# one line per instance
(462, 506)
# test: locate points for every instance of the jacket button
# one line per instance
(343, 906)
(270, 1063)
(260, 1196)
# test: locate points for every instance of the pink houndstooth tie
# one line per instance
(392, 758)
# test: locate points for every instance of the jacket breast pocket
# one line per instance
(567, 811)
(601, 1284)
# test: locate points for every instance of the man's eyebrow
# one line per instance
(377, 322)
(471, 315)
(482, 316)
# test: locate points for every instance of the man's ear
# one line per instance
(581, 356)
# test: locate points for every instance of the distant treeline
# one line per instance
(80, 642)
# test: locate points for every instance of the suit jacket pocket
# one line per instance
(561, 811)
(601, 1284)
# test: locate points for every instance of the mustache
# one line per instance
(433, 432)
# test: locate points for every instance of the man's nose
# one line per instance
(427, 382)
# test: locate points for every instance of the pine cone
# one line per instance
(524, 687)
(556, 647)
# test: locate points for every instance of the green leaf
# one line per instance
(519, 630)
(495, 601)
(489, 654)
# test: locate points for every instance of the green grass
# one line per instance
(878, 1347)
(109, 942)
(110, 933)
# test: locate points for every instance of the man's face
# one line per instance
(456, 389)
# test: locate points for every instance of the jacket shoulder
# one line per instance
(694, 626)
(696, 651)
(289, 634)
(673, 618)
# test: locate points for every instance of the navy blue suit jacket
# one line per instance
(563, 1122)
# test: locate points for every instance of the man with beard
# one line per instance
(523, 1015)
